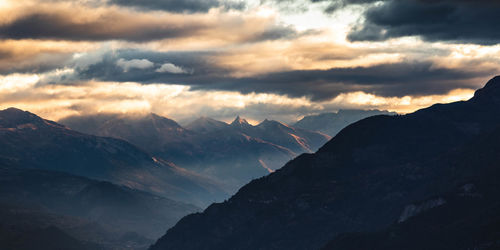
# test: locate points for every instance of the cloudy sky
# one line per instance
(278, 59)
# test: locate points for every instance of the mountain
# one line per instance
(234, 158)
(27, 236)
(84, 209)
(152, 133)
(240, 123)
(296, 139)
(464, 218)
(232, 154)
(206, 124)
(332, 123)
(119, 207)
(28, 141)
(376, 173)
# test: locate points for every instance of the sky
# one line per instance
(277, 59)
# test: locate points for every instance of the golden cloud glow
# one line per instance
(404, 104)
(57, 101)
(241, 43)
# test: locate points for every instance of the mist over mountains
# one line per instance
(93, 213)
(232, 154)
(71, 190)
(332, 123)
(28, 141)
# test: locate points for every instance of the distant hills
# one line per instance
(425, 180)
(232, 154)
(86, 212)
(332, 123)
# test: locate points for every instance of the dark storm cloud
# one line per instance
(180, 6)
(395, 79)
(338, 4)
(119, 26)
(59, 26)
(463, 21)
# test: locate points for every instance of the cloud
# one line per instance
(415, 78)
(460, 21)
(456, 21)
(387, 80)
(181, 103)
(171, 68)
(126, 65)
(26, 56)
(83, 23)
(182, 6)
(111, 26)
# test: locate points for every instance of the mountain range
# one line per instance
(105, 187)
(425, 180)
(232, 154)
(28, 141)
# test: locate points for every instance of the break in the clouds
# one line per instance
(459, 21)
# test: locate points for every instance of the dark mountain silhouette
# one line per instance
(28, 141)
(332, 123)
(231, 153)
(26, 237)
(378, 172)
(464, 218)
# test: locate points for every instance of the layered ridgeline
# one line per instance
(429, 177)
(231, 153)
(332, 123)
(28, 141)
(52, 210)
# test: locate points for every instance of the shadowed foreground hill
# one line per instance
(378, 172)
(466, 217)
